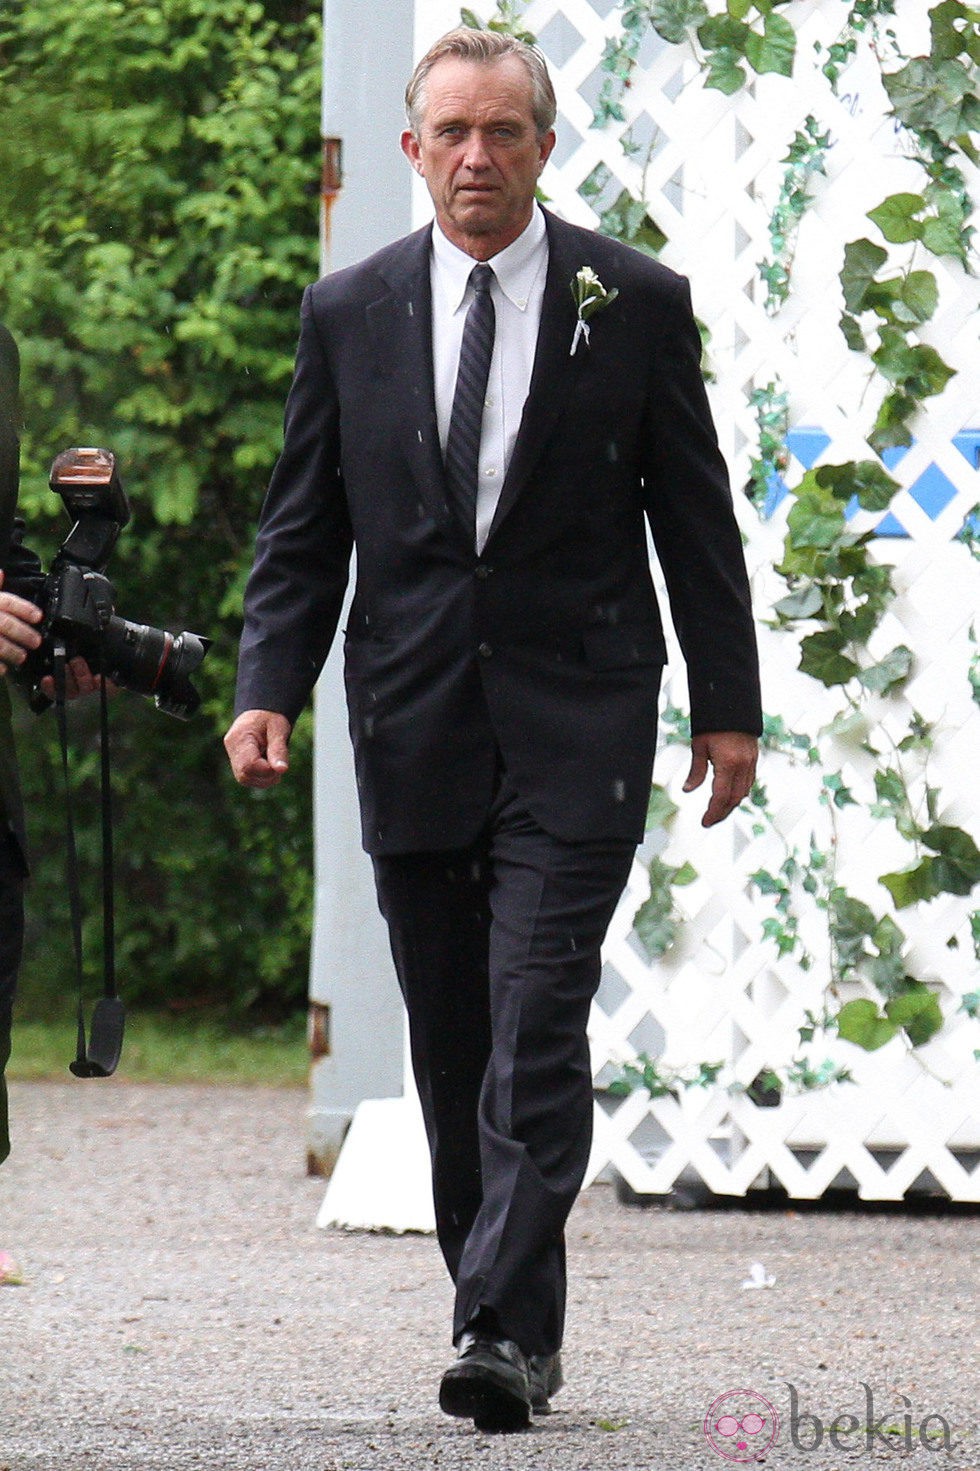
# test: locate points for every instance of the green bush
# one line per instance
(160, 168)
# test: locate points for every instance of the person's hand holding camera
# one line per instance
(19, 634)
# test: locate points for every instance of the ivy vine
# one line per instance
(806, 157)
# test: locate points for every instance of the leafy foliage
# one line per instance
(160, 168)
(805, 158)
(864, 16)
(749, 35)
(901, 304)
(838, 591)
(507, 20)
(771, 406)
(656, 921)
(659, 1080)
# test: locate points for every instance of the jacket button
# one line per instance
(483, 571)
(484, 651)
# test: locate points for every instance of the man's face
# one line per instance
(479, 152)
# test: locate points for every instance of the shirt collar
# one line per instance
(516, 267)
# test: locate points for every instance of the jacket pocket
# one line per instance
(623, 645)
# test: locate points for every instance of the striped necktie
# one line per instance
(466, 421)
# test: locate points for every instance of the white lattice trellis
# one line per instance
(709, 169)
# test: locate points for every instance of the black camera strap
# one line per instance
(99, 1056)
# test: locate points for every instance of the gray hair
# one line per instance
(484, 47)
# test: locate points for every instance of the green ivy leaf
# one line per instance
(918, 1012)
(655, 930)
(886, 973)
(660, 808)
(850, 725)
(723, 32)
(672, 19)
(866, 479)
(851, 924)
(725, 72)
(887, 936)
(893, 355)
(885, 298)
(957, 865)
(942, 234)
(921, 295)
(783, 938)
(858, 627)
(817, 518)
(891, 792)
(954, 870)
(930, 373)
(945, 40)
(896, 217)
(766, 882)
(890, 674)
(919, 737)
(894, 358)
(891, 428)
(862, 1023)
(862, 261)
(840, 792)
(911, 885)
(775, 49)
(853, 335)
(930, 98)
(822, 659)
(655, 921)
(803, 603)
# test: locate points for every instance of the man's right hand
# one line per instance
(18, 633)
(258, 748)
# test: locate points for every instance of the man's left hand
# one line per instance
(732, 754)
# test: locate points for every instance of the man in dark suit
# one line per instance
(494, 465)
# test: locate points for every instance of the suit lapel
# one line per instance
(400, 326)
(555, 369)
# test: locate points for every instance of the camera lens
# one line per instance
(152, 661)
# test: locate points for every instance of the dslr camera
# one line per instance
(78, 600)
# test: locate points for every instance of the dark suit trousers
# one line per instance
(496, 947)
(11, 944)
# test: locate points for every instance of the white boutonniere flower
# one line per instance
(590, 296)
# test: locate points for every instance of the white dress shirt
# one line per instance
(517, 292)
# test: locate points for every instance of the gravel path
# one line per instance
(181, 1310)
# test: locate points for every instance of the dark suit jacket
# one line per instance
(549, 646)
(15, 561)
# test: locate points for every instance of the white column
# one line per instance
(356, 1012)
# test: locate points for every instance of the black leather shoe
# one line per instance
(545, 1378)
(488, 1384)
